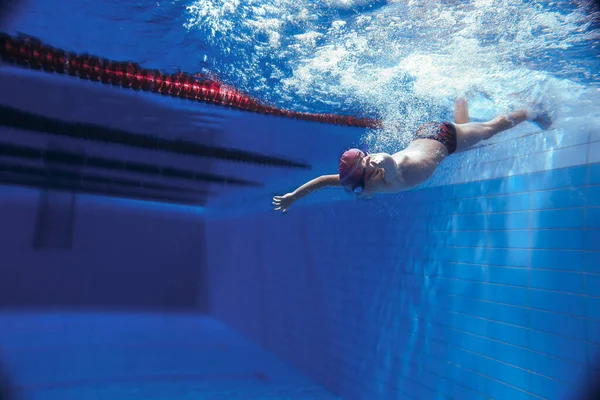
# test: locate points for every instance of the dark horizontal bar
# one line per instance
(19, 119)
(79, 160)
(77, 182)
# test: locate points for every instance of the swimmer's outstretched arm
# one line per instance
(283, 203)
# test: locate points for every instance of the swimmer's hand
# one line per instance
(283, 203)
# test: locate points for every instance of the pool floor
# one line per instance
(68, 356)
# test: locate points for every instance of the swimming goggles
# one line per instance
(360, 185)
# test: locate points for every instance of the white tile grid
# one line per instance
(531, 144)
(532, 153)
(594, 152)
(570, 156)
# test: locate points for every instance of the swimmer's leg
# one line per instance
(469, 134)
(461, 111)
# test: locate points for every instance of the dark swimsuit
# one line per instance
(443, 132)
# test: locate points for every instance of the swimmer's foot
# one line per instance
(543, 119)
(461, 111)
(540, 114)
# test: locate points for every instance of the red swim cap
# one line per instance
(349, 170)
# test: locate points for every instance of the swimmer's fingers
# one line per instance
(278, 200)
(283, 210)
(282, 203)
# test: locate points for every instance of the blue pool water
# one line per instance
(483, 283)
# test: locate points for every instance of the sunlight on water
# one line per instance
(403, 60)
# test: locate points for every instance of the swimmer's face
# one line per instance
(365, 187)
(374, 175)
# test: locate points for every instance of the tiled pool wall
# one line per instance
(484, 283)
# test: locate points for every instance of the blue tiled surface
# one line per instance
(75, 356)
(503, 221)
(509, 239)
(592, 306)
(490, 293)
(557, 239)
(509, 276)
(564, 218)
(559, 302)
(513, 202)
(592, 261)
(558, 178)
(469, 255)
(593, 218)
(592, 239)
(558, 198)
(557, 259)
(509, 257)
(471, 222)
(592, 284)
(507, 333)
(556, 280)
(593, 196)
(512, 184)
(566, 325)
(594, 174)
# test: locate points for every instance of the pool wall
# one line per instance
(483, 283)
(84, 252)
(118, 308)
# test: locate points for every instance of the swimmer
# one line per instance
(364, 174)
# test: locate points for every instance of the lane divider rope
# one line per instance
(30, 52)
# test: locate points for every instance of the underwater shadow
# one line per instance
(7, 388)
(590, 389)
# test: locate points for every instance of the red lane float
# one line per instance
(29, 52)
